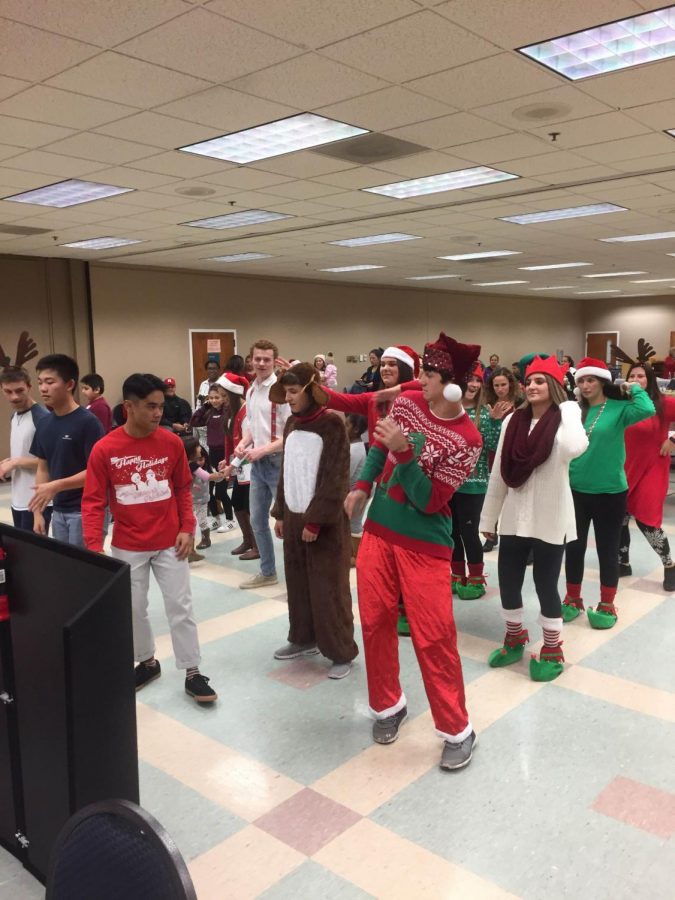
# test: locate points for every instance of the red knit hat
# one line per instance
(236, 384)
(548, 366)
(595, 367)
(403, 353)
(447, 353)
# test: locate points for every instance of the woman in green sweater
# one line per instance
(599, 485)
(467, 502)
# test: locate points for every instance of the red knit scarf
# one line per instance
(523, 450)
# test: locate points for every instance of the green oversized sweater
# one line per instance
(489, 428)
(600, 470)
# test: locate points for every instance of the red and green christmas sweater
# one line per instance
(410, 504)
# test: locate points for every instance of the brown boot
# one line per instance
(252, 552)
(356, 541)
(195, 557)
(205, 542)
(244, 521)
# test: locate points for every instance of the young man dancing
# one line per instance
(424, 450)
(144, 471)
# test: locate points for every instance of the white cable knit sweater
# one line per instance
(542, 507)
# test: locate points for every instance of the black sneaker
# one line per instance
(385, 731)
(197, 686)
(669, 578)
(456, 756)
(625, 569)
(489, 545)
(145, 674)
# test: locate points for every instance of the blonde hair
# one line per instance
(556, 391)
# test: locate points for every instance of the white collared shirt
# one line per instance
(259, 413)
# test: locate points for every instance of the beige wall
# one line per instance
(635, 318)
(141, 319)
(47, 298)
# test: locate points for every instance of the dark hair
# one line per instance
(190, 443)
(652, 389)
(235, 402)
(235, 364)
(290, 378)
(139, 386)
(378, 351)
(94, 381)
(64, 366)
(571, 361)
(405, 372)
(446, 376)
(503, 372)
(214, 361)
(11, 374)
(609, 390)
(357, 423)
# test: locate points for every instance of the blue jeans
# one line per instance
(264, 479)
(67, 527)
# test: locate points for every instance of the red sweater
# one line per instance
(149, 486)
(365, 405)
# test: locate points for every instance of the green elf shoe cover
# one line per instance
(603, 616)
(511, 652)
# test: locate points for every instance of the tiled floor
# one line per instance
(278, 791)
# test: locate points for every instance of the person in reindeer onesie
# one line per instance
(311, 520)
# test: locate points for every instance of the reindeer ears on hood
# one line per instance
(308, 379)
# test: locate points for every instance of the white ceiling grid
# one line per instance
(107, 92)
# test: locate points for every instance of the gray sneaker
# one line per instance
(258, 581)
(339, 670)
(385, 731)
(456, 756)
(293, 651)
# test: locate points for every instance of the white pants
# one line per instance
(173, 577)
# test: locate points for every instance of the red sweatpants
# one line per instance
(383, 572)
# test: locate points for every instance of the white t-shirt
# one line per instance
(20, 440)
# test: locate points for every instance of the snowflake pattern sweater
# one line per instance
(410, 505)
(490, 429)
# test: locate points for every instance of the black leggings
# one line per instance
(656, 538)
(606, 512)
(466, 509)
(512, 565)
(240, 494)
(218, 489)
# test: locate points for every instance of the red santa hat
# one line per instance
(548, 366)
(406, 355)
(595, 367)
(448, 355)
(236, 384)
(478, 371)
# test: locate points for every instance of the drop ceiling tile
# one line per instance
(308, 82)
(112, 76)
(227, 110)
(640, 164)
(566, 102)
(245, 178)
(313, 23)
(361, 177)
(631, 148)
(208, 46)
(9, 86)
(410, 48)
(181, 165)
(159, 131)
(485, 81)
(304, 164)
(123, 176)
(580, 133)
(150, 199)
(418, 165)
(34, 54)
(97, 21)
(522, 22)
(555, 161)
(30, 134)
(44, 104)
(6, 151)
(504, 148)
(53, 164)
(656, 115)
(634, 87)
(18, 180)
(386, 109)
(449, 131)
(101, 148)
(303, 190)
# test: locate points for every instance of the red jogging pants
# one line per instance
(384, 572)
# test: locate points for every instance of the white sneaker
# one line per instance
(259, 580)
(225, 526)
(339, 670)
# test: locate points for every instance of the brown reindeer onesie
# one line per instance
(313, 485)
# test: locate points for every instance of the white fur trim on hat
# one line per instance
(400, 355)
(225, 382)
(452, 393)
(602, 374)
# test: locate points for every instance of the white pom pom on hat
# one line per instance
(452, 393)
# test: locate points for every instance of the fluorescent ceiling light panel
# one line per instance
(68, 193)
(629, 238)
(238, 219)
(572, 212)
(554, 266)
(238, 257)
(274, 139)
(446, 181)
(612, 274)
(597, 292)
(653, 280)
(485, 254)
(617, 45)
(670, 131)
(554, 287)
(428, 277)
(102, 243)
(351, 268)
(390, 238)
(495, 283)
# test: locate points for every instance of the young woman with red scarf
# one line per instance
(529, 493)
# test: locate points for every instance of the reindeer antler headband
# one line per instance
(645, 352)
(26, 349)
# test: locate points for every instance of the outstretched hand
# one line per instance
(387, 394)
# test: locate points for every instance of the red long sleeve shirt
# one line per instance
(149, 486)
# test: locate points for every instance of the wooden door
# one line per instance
(598, 345)
(207, 345)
